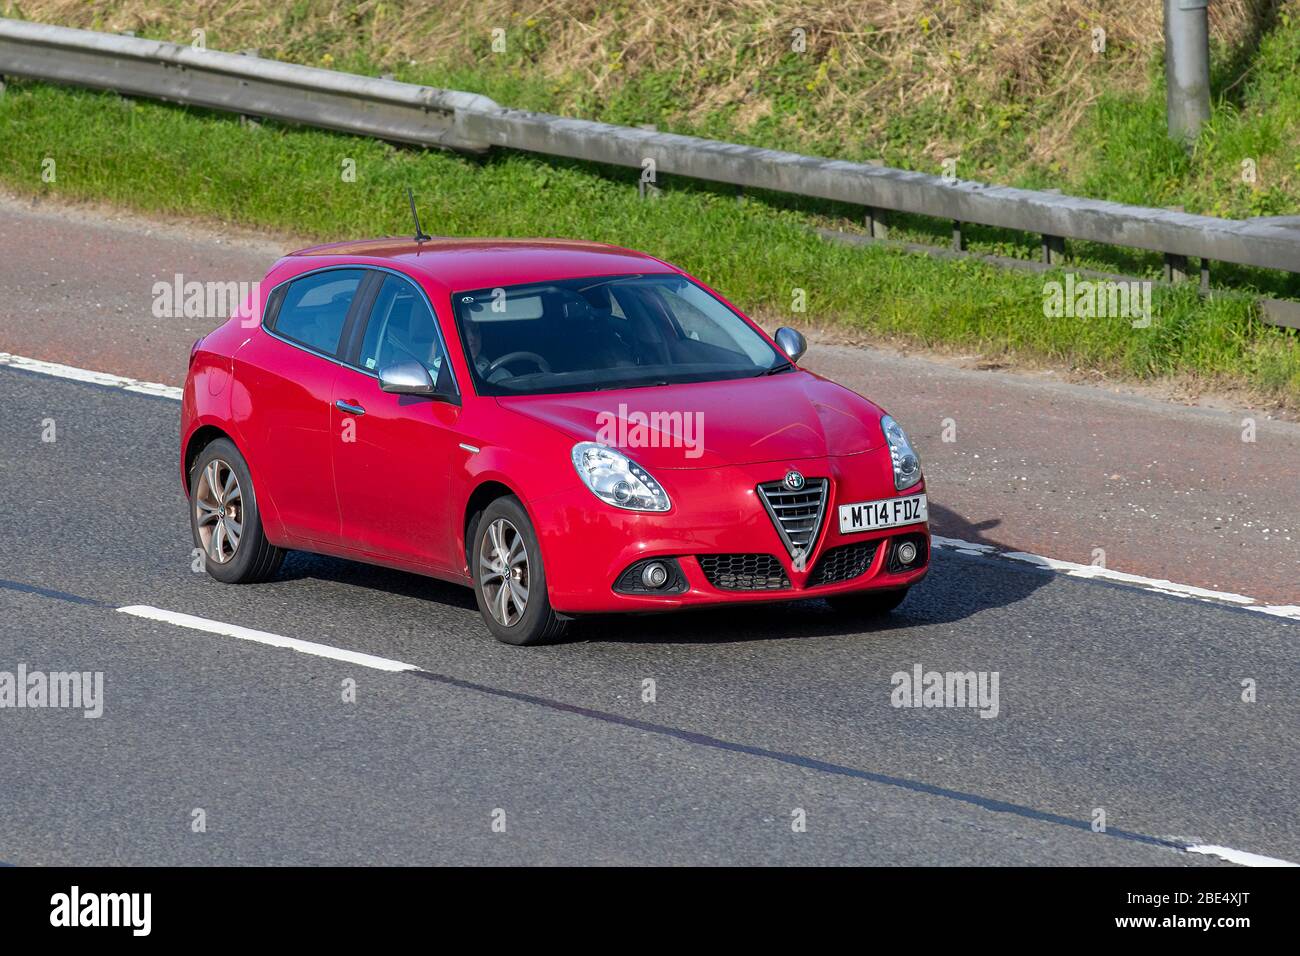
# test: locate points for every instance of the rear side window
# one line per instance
(315, 308)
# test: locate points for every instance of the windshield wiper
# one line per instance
(783, 367)
(615, 386)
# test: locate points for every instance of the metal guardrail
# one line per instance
(406, 112)
(384, 109)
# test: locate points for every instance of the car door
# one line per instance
(391, 467)
(286, 380)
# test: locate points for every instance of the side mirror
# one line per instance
(792, 343)
(406, 378)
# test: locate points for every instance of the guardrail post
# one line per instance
(877, 226)
(248, 119)
(958, 240)
(1053, 246)
(1205, 276)
(1176, 267)
(1053, 250)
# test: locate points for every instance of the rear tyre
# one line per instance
(509, 579)
(225, 520)
(867, 604)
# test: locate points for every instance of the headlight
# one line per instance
(616, 479)
(907, 466)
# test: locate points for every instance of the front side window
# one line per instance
(605, 332)
(315, 308)
(401, 329)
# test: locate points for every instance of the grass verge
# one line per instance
(1037, 93)
(162, 159)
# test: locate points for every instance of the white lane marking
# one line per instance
(1286, 611)
(86, 375)
(1289, 611)
(265, 637)
(1278, 610)
(1240, 857)
(1093, 571)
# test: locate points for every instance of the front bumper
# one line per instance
(586, 544)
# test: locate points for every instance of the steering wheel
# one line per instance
(541, 363)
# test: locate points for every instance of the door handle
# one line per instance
(349, 408)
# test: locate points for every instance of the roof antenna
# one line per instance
(419, 233)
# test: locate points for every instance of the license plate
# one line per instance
(886, 513)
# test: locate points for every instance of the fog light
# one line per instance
(906, 552)
(654, 575)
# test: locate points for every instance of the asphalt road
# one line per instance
(1020, 462)
(1109, 697)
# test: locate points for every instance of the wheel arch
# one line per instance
(484, 493)
(202, 437)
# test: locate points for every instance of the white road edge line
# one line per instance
(1289, 611)
(265, 637)
(1286, 611)
(86, 375)
(1240, 857)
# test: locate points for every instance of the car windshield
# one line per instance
(605, 332)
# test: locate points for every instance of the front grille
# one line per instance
(744, 572)
(844, 563)
(796, 514)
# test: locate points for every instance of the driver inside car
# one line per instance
(474, 343)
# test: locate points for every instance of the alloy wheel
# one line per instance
(219, 511)
(503, 572)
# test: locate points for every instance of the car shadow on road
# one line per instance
(949, 524)
(957, 587)
(302, 565)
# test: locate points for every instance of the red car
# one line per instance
(566, 427)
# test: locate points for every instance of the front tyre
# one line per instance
(225, 520)
(867, 604)
(509, 580)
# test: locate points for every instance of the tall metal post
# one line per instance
(1187, 67)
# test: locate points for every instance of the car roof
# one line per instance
(463, 264)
